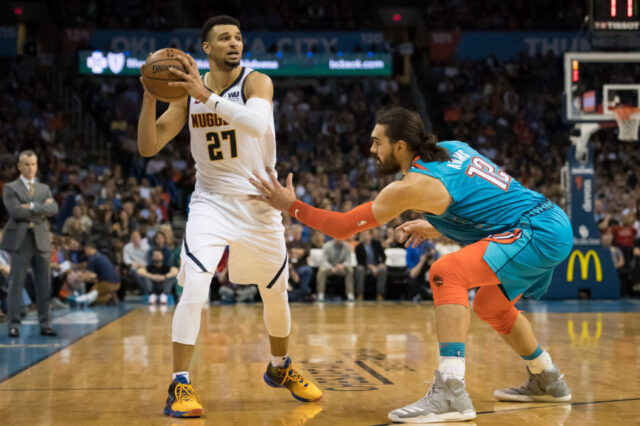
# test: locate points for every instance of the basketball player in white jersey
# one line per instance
(230, 118)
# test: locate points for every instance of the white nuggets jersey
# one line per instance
(225, 156)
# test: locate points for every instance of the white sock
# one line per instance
(540, 363)
(181, 373)
(279, 361)
(452, 367)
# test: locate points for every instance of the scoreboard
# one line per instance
(615, 15)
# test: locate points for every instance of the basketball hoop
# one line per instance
(628, 119)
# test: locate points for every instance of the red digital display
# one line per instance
(614, 8)
(615, 15)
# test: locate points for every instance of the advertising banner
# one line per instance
(7, 41)
(277, 65)
(589, 267)
(139, 43)
(505, 45)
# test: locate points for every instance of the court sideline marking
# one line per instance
(71, 342)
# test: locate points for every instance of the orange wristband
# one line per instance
(204, 92)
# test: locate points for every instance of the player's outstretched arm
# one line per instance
(390, 203)
(154, 135)
(253, 117)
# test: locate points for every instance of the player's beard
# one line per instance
(389, 166)
(225, 64)
(231, 64)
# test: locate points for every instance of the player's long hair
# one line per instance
(406, 125)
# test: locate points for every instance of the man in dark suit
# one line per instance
(371, 261)
(26, 238)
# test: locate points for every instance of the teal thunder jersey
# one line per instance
(486, 200)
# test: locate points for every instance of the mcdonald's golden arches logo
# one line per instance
(584, 260)
(585, 338)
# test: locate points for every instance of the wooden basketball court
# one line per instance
(369, 358)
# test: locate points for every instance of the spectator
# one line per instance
(624, 236)
(134, 256)
(317, 239)
(300, 273)
(77, 225)
(618, 262)
(371, 262)
(122, 228)
(103, 274)
(160, 243)
(101, 228)
(419, 260)
(158, 278)
(175, 248)
(336, 259)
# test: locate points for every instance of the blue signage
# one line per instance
(589, 267)
(7, 41)
(506, 45)
(502, 44)
(256, 42)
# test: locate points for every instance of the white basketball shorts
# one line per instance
(252, 229)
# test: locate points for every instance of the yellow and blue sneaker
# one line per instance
(182, 400)
(287, 377)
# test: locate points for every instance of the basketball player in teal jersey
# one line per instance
(514, 238)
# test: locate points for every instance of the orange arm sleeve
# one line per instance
(336, 225)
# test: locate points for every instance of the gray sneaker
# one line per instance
(548, 386)
(446, 401)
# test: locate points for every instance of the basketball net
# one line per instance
(628, 119)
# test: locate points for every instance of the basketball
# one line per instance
(156, 75)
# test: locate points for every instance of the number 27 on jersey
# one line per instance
(215, 140)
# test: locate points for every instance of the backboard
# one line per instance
(595, 82)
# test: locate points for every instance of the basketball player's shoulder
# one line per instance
(258, 84)
(421, 189)
(257, 77)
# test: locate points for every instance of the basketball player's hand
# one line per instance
(192, 81)
(277, 196)
(416, 231)
(146, 92)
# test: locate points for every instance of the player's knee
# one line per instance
(277, 317)
(447, 284)
(196, 287)
(500, 318)
(186, 319)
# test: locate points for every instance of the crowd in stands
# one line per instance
(165, 15)
(126, 211)
(509, 111)
(497, 15)
(359, 15)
